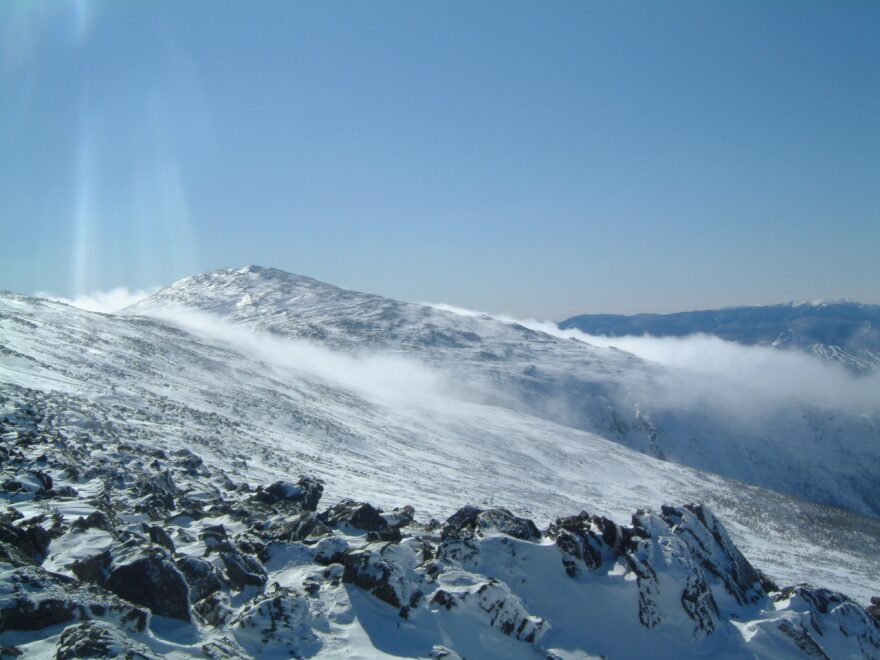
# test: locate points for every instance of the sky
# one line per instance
(540, 159)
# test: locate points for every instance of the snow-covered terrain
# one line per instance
(140, 434)
(801, 448)
(840, 331)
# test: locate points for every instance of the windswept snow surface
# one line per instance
(270, 403)
(829, 455)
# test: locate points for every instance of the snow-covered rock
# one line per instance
(275, 581)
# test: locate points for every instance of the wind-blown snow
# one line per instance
(778, 374)
(106, 302)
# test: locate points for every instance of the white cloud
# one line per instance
(776, 373)
(106, 302)
(376, 375)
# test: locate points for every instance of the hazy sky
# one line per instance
(540, 159)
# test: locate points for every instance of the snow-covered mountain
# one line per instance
(843, 331)
(152, 467)
(830, 456)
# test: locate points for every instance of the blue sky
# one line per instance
(539, 159)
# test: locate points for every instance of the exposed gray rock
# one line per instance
(152, 580)
(92, 639)
(471, 520)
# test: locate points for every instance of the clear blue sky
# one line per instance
(538, 159)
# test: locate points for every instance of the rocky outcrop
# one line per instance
(588, 542)
(493, 602)
(472, 520)
(34, 599)
(163, 534)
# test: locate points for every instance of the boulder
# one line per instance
(152, 580)
(243, 569)
(35, 599)
(358, 515)
(472, 520)
(202, 577)
(159, 536)
(92, 639)
(587, 541)
(33, 542)
(306, 493)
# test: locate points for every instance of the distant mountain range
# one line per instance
(839, 330)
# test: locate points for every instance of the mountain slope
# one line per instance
(844, 332)
(114, 547)
(266, 418)
(795, 447)
(128, 442)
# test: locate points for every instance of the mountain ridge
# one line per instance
(845, 332)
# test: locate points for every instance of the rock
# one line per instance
(214, 610)
(494, 603)
(24, 615)
(587, 540)
(399, 517)
(95, 520)
(33, 542)
(306, 493)
(224, 649)
(94, 569)
(303, 527)
(161, 490)
(358, 515)
(201, 576)
(474, 520)
(45, 481)
(243, 569)
(383, 572)
(802, 639)
(388, 535)
(159, 536)
(153, 581)
(10, 652)
(213, 536)
(14, 486)
(710, 544)
(657, 551)
(64, 492)
(187, 460)
(91, 639)
(280, 619)
(35, 599)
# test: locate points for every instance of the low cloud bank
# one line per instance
(375, 375)
(106, 302)
(776, 373)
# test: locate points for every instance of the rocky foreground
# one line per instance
(112, 548)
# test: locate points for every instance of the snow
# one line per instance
(400, 404)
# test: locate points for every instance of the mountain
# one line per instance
(190, 460)
(799, 448)
(843, 331)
